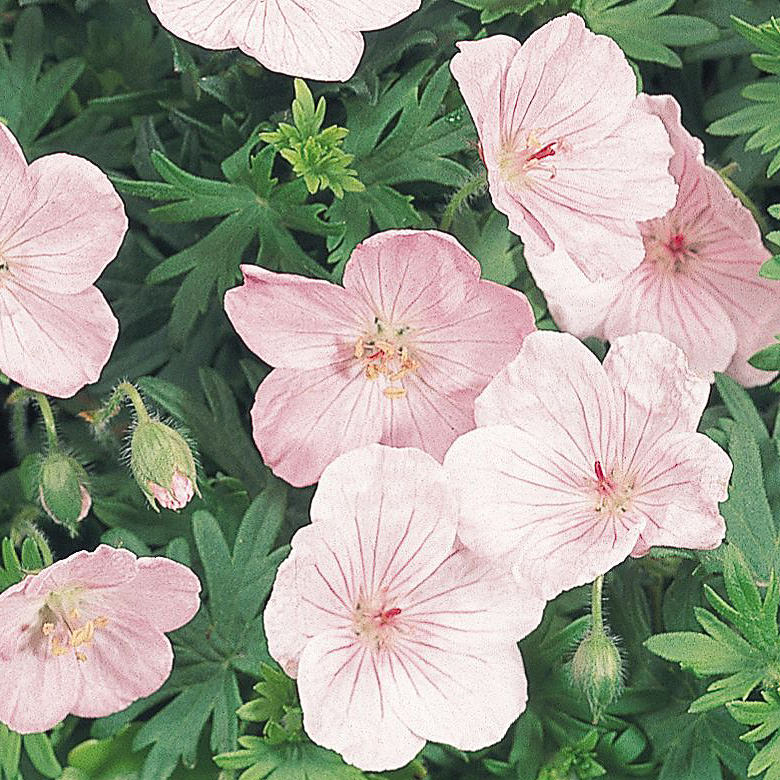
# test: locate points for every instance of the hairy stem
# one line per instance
(470, 187)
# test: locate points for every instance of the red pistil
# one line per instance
(545, 151)
(599, 471)
(677, 242)
(388, 614)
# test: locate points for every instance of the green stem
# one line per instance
(597, 617)
(18, 398)
(470, 187)
(48, 420)
(124, 390)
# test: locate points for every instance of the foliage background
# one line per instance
(178, 128)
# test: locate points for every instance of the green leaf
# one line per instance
(28, 99)
(749, 521)
(644, 31)
(37, 748)
(741, 654)
(492, 10)
(418, 147)
(759, 121)
(113, 758)
(765, 718)
(301, 761)
(254, 205)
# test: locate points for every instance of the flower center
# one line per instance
(385, 354)
(518, 162)
(613, 491)
(374, 621)
(670, 251)
(64, 628)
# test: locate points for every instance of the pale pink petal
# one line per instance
(411, 276)
(51, 686)
(294, 322)
(524, 498)
(469, 600)
(18, 616)
(681, 310)
(303, 420)
(164, 592)
(608, 164)
(126, 660)
(655, 391)
(681, 480)
(348, 701)
(557, 391)
(750, 342)
(592, 205)
(73, 228)
(483, 70)
(431, 415)
(388, 514)
(286, 635)
(299, 42)
(15, 186)
(106, 567)
(300, 38)
(213, 25)
(465, 349)
(54, 343)
(464, 697)
(577, 305)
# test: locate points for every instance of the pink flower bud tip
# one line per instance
(177, 496)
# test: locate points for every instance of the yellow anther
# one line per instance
(372, 372)
(80, 656)
(100, 622)
(400, 374)
(57, 649)
(47, 629)
(394, 393)
(359, 348)
(387, 347)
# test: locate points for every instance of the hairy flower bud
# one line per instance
(597, 670)
(163, 465)
(62, 489)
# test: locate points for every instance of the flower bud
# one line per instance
(597, 670)
(62, 490)
(163, 465)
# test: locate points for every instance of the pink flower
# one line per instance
(61, 223)
(177, 496)
(397, 355)
(314, 39)
(85, 636)
(698, 284)
(571, 159)
(396, 633)
(580, 465)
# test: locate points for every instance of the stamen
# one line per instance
(677, 242)
(393, 393)
(390, 613)
(47, 629)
